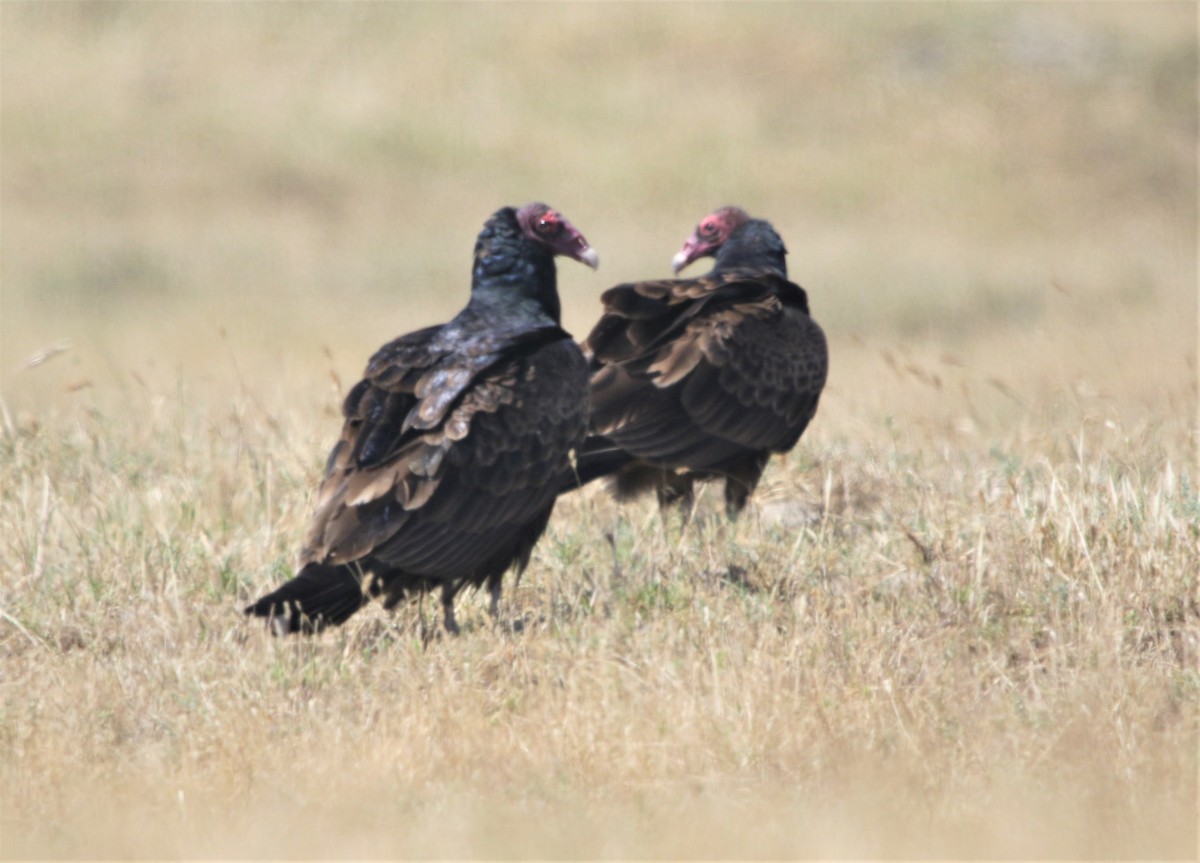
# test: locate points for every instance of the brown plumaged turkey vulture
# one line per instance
(703, 378)
(454, 441)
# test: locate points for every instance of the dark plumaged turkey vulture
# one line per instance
(454, 442)
(704, 378)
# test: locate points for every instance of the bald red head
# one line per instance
(712, 232)
(545, 225)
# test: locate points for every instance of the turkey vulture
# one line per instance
(453, 444)
(703, 378)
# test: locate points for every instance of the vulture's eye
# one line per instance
(548, 225)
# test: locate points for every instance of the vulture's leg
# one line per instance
(494, 588)
(421, 616)
(449, 591)
(740, 481)
(676, 490)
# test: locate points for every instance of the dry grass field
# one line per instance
(962, 619)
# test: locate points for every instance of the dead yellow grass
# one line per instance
(901, 651)
(962, 619)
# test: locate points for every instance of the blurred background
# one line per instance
(992, 206)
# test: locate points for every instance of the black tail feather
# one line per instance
(320, 596)
(597, 457)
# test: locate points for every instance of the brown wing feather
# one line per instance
(500, 481)
(729, 363)
(763, 371)
(642, 315)
(443, 496)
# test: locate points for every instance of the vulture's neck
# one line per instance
(755, 244)
(512, 275)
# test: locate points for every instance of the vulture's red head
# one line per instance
(546, 226)
(712, 232)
